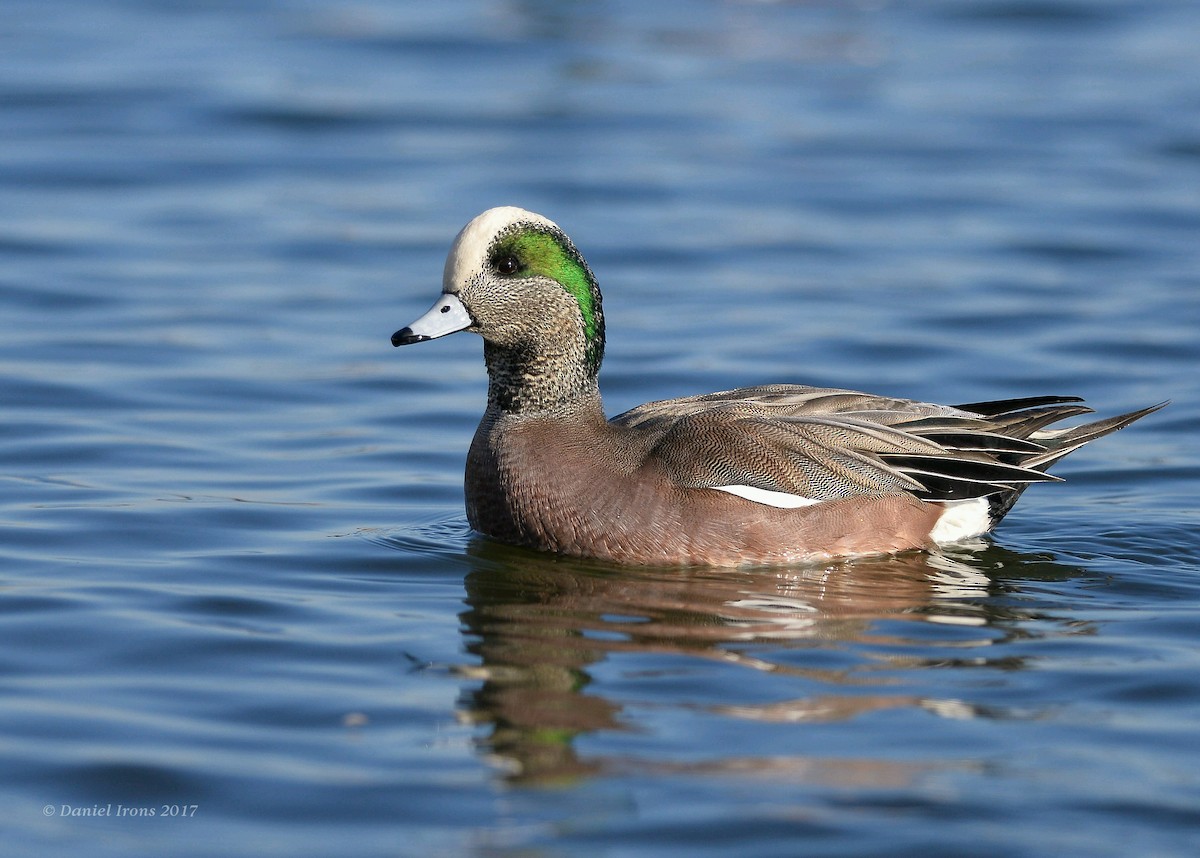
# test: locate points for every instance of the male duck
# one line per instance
(760, 475)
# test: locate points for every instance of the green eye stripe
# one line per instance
(542, 253)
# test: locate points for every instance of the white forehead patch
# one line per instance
(466, 257)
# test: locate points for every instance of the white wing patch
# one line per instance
(782, 500)
(961, 520)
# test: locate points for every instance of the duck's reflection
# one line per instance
(537, 623)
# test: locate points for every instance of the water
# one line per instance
(238, 589)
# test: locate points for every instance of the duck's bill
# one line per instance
(447, 316)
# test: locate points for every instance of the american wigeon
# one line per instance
(760, 475)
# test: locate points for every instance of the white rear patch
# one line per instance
(961, 520)
(783, 500)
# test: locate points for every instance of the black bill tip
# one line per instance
(406, 337)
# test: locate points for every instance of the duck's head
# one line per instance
(515, 278)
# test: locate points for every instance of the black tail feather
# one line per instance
(1000, 407)
(1001, 449)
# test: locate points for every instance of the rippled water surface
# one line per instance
(237, 587)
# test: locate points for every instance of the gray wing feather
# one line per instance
(825, 443)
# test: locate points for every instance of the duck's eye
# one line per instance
(507, 265)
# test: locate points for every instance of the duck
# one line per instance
(775, 474)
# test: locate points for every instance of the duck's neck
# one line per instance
(525, 381)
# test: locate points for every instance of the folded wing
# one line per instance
(826, 444)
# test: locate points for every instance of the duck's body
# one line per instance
(585, 487)
(774, 474)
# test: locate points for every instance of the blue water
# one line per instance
(237, 588)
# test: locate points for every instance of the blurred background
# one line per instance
(234, 567)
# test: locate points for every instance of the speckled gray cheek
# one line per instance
(536, 356)
(473, 292)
